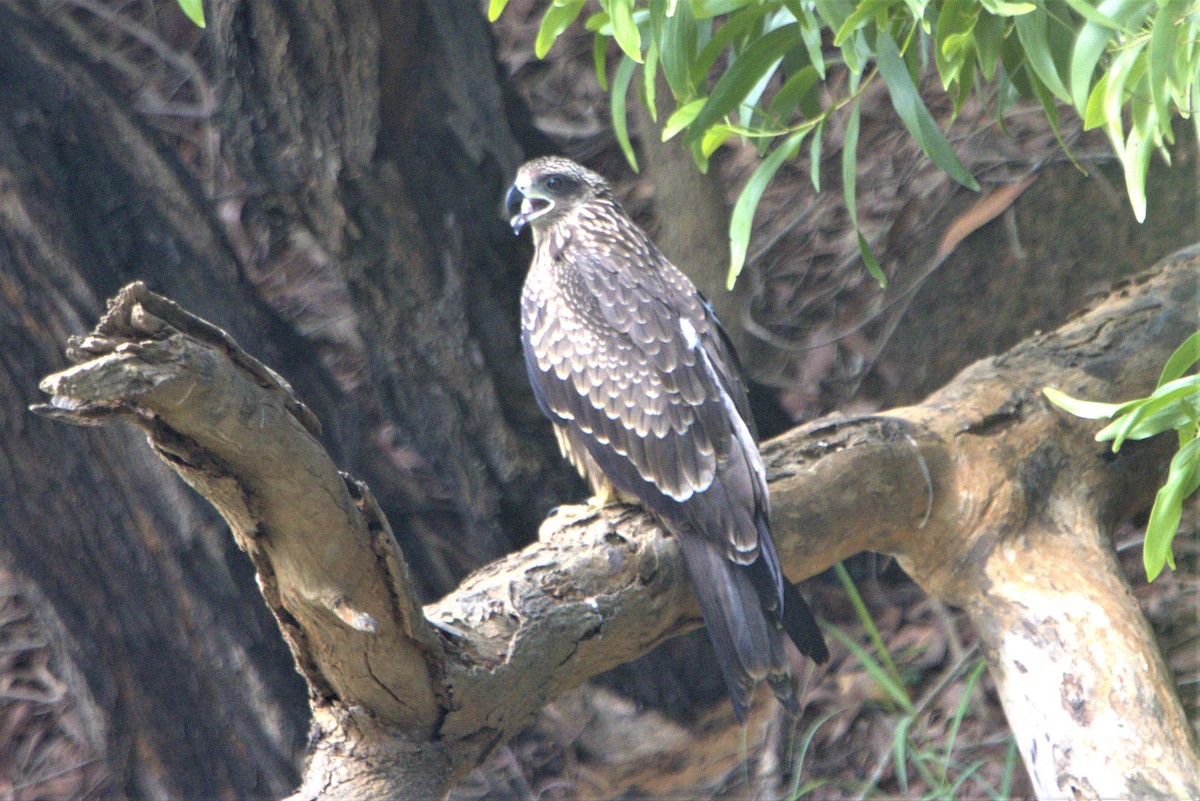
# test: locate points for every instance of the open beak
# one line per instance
(522, 208)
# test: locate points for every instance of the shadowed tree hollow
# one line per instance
(322, 192)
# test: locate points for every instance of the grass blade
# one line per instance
(868, 622)
(894, 689)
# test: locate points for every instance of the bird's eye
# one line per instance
(554, 183)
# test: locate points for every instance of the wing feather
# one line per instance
(632, 374)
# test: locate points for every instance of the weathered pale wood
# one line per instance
(990, 498)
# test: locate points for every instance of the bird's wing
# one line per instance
(633, 361)
(727, 366)
(619, 371)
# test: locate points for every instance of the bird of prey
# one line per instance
(628, 361)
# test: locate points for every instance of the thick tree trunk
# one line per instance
(376, 274)
(332, 203)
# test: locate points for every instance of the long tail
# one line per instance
(801, 626)
(748, 637)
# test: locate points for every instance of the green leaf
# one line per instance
(864, 617)
(625, 30)
(1094, 37)
(797, 762)
(700, 159)
(960, 712)
(850, 162)
(600, 59)
(650, 80)
(955, 32)
(743, 211)
(814, 156)
(734, 27)
(599, 22)
(913, 113)
(713, 138)
(620, 87)
(1031, 30)
(962, 88)
(1093, 114)
(868, 258)
(194, 9)
(917, 9)
(495, 9)
(1098, 15)
(677, 43)
(989, 36)
(792, 93)
(834, 12)
(1089, 410)
(900, 752)
(1120, 429)
(704, 9)
(1177, 415)
(1006, 94)
(556, 20)
(1182, 480)
(858, 18)
(1135, 158)
(1118, 74)
(748, 110)
(1050, 108)
(810, 34)
(1160, 61)
(754, 63)
(682, 118)
(1004, 9)
(1186, 355)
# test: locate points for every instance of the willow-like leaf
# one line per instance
(741, 221)
(194, 9)
(913, 113)
(620, 88)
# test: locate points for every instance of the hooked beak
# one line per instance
(523, 209)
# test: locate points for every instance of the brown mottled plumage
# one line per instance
(631, 366)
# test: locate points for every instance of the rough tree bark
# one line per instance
(370, 269)
(995, 502)
(329, 199)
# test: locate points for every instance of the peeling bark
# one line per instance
(994, 501)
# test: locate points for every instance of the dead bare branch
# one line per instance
(991, 500)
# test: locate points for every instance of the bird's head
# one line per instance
(549, 189)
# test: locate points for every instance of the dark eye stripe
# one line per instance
(560, 183)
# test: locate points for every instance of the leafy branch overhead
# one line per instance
(774, 71)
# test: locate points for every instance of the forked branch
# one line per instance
(991, 499)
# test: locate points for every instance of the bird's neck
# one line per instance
(554, 238)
